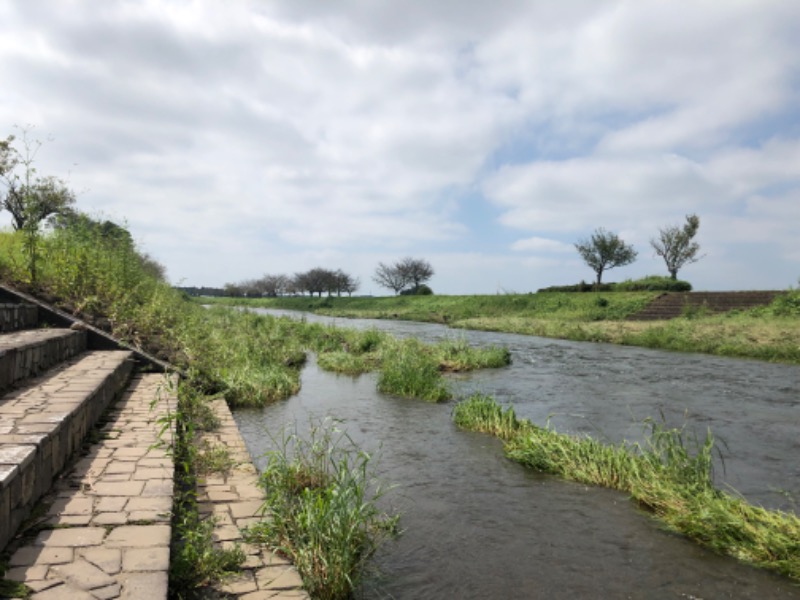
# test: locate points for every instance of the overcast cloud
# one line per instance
(243, 138)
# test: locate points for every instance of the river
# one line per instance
(479, 526)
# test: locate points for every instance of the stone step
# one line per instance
(45, 422)
(672, 305)
(106, 533)
(235, 500)
(15, 316)
(25, 354)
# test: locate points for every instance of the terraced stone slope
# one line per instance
(675, 304)
(97, 512)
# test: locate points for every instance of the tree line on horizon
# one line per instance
(406, 276)
(33, 199)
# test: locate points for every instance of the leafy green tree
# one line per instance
(9, 157)
(604, 251)
(676, 246)
(29, 198)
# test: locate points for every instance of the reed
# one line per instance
(322, 509)
(408, 370)
(670, 473)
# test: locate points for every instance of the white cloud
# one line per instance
(298, 131)
(538, 244)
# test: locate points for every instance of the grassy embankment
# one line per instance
(670, 474)
(96, 273)
(770, 333)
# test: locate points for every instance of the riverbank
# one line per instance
(768, 333)
(104, 281)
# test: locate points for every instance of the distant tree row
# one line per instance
(605, 250)
(316, 281)
(406, 276)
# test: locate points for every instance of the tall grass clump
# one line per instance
(195, 559)
(456, 354)
(482, 413)
(321, 509)
(408, 370)
(670, 473)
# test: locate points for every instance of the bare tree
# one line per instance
(315, 281)
(274, 285)
(415, 271)
(674, 244)
(390, 277)
(604, 251)
(402, 274)
(344, 282)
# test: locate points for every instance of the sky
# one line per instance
(237, 139)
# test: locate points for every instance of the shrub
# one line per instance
(579, 287)
(786, 305)
(421, 290)
(321, 509)
(653, 283)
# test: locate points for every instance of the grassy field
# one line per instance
(769, 333)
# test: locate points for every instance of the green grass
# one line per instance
(406, 368)
(670, 474)
(454, 309)
(409, 370)
(195, 560)
(321, 502)
(767, 333)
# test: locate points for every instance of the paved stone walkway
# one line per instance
(235, 499)
(106, 533)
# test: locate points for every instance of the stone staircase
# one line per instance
(89, 518)
(102, 511)
(675, 304)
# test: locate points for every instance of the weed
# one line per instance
(408, 370)
(212, 459)
(670, 473)
(321, 501)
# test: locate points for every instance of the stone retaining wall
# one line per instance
(18, 316)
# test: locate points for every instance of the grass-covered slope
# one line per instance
(766, 333)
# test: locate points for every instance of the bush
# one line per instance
(786, 305)
(321, 501)
(421, 290)
(580, 287)
(653, 283)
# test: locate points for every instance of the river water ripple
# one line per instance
(479, 526)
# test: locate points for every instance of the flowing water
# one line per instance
(480, 526)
